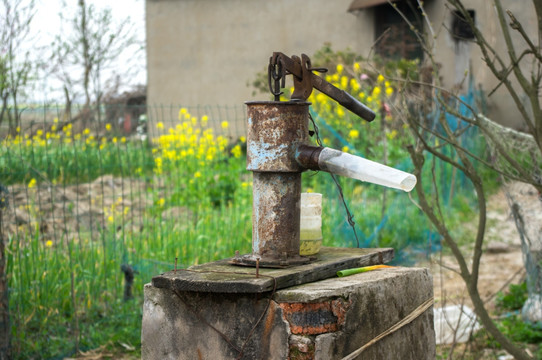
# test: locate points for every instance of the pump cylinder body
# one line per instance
(275, 129)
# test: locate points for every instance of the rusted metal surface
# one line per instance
(303, 84)
(307, 156)
(274, 131)
(275, 221)
(275, 214)
(281, 65)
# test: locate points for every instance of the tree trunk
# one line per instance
(526, 206)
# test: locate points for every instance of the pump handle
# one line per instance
(303, 84)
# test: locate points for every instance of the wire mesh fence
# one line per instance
(95, 203)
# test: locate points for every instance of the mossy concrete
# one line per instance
(327, 319)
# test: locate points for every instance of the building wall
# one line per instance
(458, 58)
(208, 52)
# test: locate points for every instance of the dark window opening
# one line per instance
(461, 29)
(396, 39)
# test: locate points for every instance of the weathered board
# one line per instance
(223, 277)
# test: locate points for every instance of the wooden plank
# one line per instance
(222, 277)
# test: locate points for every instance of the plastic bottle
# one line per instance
(310, 233)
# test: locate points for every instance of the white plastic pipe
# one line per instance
(341, 163)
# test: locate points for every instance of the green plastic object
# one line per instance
(353, 271)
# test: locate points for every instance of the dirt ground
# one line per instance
(501, 262)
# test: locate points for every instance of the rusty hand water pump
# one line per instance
(278, 151)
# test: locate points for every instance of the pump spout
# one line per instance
(341, 163)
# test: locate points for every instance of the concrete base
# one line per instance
(327, 319)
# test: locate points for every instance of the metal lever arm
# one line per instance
(342, 97)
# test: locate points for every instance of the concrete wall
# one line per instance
(208, 52)
(323, 320)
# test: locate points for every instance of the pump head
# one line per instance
(278, 152)
(305, 80)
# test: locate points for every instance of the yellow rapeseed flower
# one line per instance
(357, 67)
(354, 84)
(345, 149)
(376, 91)
(236, 151)
(380, 78)
(108, 127)
(114, 140)
(389, 91)
(161, 202)
(225, 124)
(49, 243)
(32, 183)
(344, 82)
(86, 131)
(182, 111)
(321, 98)
(391, 135)
(340, 68)
(353, 134)
(243, 139)
(197, 174)
(160, 125)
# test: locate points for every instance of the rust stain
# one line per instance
(268, 326)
